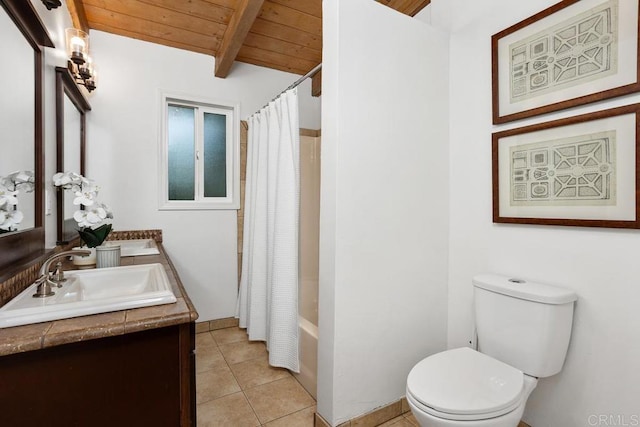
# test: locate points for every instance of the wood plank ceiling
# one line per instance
(284, 35)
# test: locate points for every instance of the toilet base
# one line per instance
(511, 419)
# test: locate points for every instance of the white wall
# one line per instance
(122, 146)
(600, 376)
(383, 225)
(123, 153)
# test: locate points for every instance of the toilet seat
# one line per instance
(463, 384)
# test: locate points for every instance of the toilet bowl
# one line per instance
(523, 330)
(463, 387)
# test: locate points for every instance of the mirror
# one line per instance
(23, 35)
(71, 109)
(17, 132)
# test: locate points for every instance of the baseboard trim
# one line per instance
(371, 419)
(212, 325)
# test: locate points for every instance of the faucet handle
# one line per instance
(57, 277)
(44, 288)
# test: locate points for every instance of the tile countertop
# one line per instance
(48, 334)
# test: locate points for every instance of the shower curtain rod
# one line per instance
(296, 83)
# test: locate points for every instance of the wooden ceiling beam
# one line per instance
(234, 36)
(316, 84)
(78, 15)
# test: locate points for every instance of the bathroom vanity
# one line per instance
(132, 367)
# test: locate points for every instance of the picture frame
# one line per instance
(573, 53)
(577, 171)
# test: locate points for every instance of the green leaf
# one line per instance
(93, 238)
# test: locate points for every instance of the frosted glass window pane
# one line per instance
(215, 155)
(181, 156)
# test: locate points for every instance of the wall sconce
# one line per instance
(77, 45)
(80, 63)
(88, 74)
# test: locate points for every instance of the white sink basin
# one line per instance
(91, 292)
(135, 247)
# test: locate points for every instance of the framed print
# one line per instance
(572, 53)
(579, 171)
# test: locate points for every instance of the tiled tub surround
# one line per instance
(43, 335)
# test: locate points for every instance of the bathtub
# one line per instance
(308, 375)
(308, 261)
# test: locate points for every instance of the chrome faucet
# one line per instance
(44, 281)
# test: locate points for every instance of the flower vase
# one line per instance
(85, 260)
(107, 256)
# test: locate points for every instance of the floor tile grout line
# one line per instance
(289, 374)
(236, 378)
(284, 416)
(252, 408)
(295, 378)
(243, 390)
(261, 384)
(280, 379)
(218, 397)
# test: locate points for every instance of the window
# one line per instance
(199, 155)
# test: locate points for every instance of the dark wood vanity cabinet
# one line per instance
(137, 379)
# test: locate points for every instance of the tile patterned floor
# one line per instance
(236, 387)
(405, 420)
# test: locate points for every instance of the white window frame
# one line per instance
(231, 111)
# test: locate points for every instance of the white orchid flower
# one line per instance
(22, 176)
(86, 193)
(61, 179)
(87, 183)
(68, 180)
(92, 217)
(107, 210)
(6, 182)
(24, 180)
(85, 198)
(8, 197)
(10, 219)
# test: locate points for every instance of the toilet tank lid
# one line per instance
(524, 289)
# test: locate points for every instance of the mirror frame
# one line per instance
(65, 85)
(22, 247)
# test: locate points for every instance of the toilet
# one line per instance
(523, 334)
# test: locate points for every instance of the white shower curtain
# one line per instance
(268, 298)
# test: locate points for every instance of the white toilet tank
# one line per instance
(524, 324)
